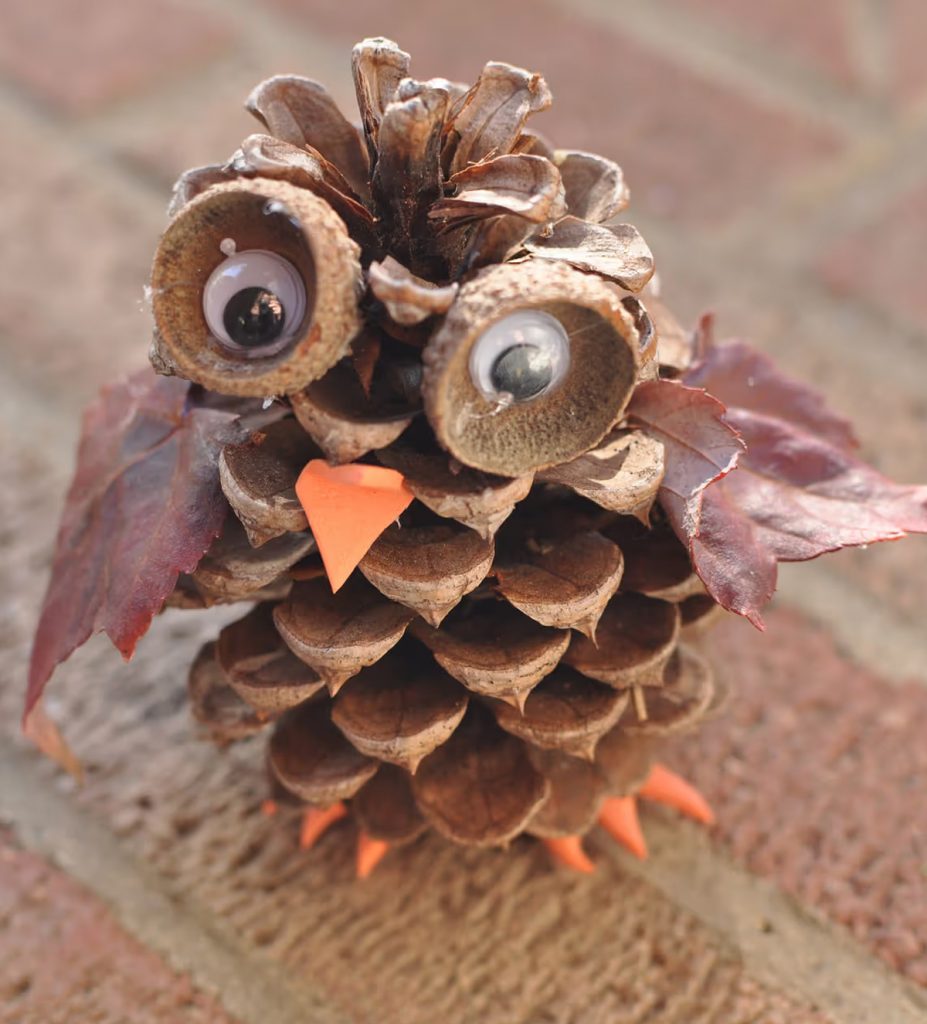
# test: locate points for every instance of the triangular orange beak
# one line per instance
(348, 507)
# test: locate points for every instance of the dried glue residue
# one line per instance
(227, 247)
(275, 206)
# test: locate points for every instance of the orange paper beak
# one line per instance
(348, 507)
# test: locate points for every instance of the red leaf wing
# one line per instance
(798, 492)
(144, 505)
(806, 497)
(699, 446)
(737, 568)
(742, 378)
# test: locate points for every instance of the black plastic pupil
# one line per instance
(524, 371)
(254, 317)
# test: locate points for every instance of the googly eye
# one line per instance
(520, 357)
(254, 301)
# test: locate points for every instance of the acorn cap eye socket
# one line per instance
(285, 240)
(562, 419)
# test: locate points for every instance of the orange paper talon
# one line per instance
(668, 788)
(348, 507)
(568, 850)
(45, 734)
(369, 853)
(269, 808)
(619, 818)
(317, 821)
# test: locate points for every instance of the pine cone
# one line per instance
(507, 656)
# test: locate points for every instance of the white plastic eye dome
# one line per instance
(254, 301)
(520, 357)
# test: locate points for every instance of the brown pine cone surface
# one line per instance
(508, 654)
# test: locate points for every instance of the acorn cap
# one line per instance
(262, 214)
(557, 426)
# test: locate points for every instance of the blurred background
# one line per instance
(777, 159)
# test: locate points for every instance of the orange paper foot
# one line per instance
(569, 850)
(619, 819)
(269, 808)
(668, 788)
(369, 853)
(317, 821)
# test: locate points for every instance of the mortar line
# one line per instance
(775, 938)
(699, 45)
(723, 269)
(835, 201)
(46, 821)
(869, 43)
(864, 631)
(778, 940)
(731, 59)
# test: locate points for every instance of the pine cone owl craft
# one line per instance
(419, 407)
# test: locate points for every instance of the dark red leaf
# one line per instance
(741, 377)
(699, 446)
(797, 493)
(737, 570)
(144, 505)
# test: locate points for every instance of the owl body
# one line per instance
(441, 301)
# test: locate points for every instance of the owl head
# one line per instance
(438, 271)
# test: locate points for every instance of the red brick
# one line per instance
(77, 247)
(78, 56)
(64, 959)
(205, 122)
(894, 574)
(814, 34)
(884, 262)
(817, 770)
(691, 149)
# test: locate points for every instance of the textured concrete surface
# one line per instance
(776, 155)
